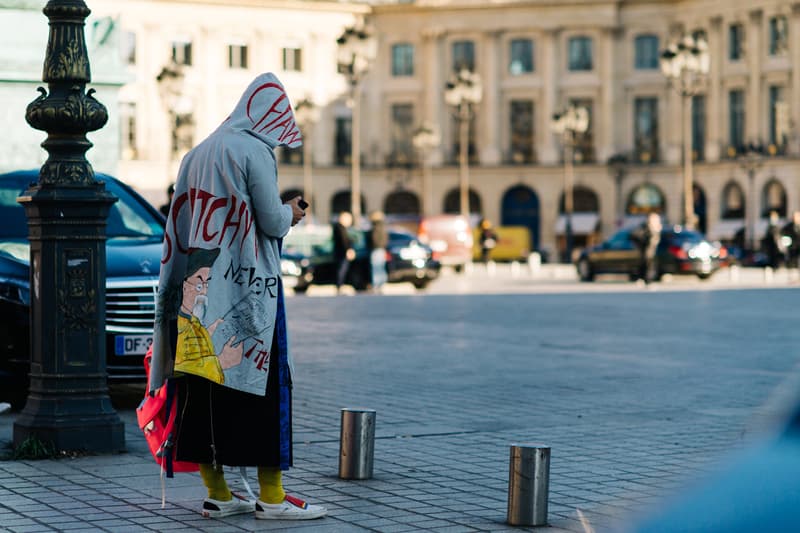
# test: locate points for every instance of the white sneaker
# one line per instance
(217, 508)
(290, 508)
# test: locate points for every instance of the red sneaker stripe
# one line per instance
(297, 502)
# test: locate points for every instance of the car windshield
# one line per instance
(681, 237)
(128, 217)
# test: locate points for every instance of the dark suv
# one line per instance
(133, 257)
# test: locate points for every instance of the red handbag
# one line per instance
(156, 415)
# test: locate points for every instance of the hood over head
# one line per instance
(265, 112)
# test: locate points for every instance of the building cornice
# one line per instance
(292, 5)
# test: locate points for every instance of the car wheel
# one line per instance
(300, 289)
(458, 268)
(704, 275)
(585, 272)
(420, 284)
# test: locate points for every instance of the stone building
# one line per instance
(534, 57)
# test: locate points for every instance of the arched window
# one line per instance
(401, 203)
(584, 200)
(341, 202)
(452, 202)
(773, 198)
(646, 198)
(733, 201)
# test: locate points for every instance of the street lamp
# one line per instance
(464, 92)
(306, 114)
(686, 64)
(68, 404)
(750, 160)
(357, 49)
(425, 139)
(568, 124)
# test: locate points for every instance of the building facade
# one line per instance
(534, 57)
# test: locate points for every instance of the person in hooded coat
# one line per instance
(220, 327)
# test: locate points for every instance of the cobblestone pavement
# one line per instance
(637, 392)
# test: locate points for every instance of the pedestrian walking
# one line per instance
(792, 231)
(164, 209)
(772, 243)
(220, 328)
(343, 251)
(377, 241)
(487, 239)
(647, 237)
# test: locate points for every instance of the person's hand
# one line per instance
(231, 355)
(297, 212)
(350, 254)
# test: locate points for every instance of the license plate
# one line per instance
(132, 344)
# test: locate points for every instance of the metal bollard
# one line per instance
(528, 481)
(357, 443)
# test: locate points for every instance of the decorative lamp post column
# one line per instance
(686, 63)
(750, 161)
(425, 139)
(307, 114)
(463, 93)
(568, 124)
(68, 404)
(357, 49)
(617, 167)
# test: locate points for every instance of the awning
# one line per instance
(582, 223)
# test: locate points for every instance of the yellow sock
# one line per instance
(269, 482)
(214, 480)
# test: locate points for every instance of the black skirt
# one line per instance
(217, 424)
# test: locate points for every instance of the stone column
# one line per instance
(714, 96)
(546, 140)
(753, 129)
(604, 131)
(433, 82)
(490, 113)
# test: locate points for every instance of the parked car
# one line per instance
(133, 257)
(307, 259)
(680, 251)
(450, 238)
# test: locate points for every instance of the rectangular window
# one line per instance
(293, 59)
(237, 56)
(698, 126)
(778, 118)
(129, 48)
(584, 142)
(182, 52)
(403, 59)
(736, 42)
(127, 113)
(291, 156)
(521, 121)
(645, 128)
(402, 125)
(646, 52)
(463, 56)
(778, 35)
(343, 140)
(521, 57)
(580, 53)
(736, 119)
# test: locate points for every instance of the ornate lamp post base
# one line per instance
(68, 405)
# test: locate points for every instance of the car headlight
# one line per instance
(15, 291)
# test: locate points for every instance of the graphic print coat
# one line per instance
(219, 287)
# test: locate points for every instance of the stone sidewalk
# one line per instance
(636, 394)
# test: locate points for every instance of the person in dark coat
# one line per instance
(772, 243)
(343, 251)
(377, 241)
(792, 230)
(487, 239)
(647, 237)
(164, 209)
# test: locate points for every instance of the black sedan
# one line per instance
(133, 257)
(307, 260)
(680, 251)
